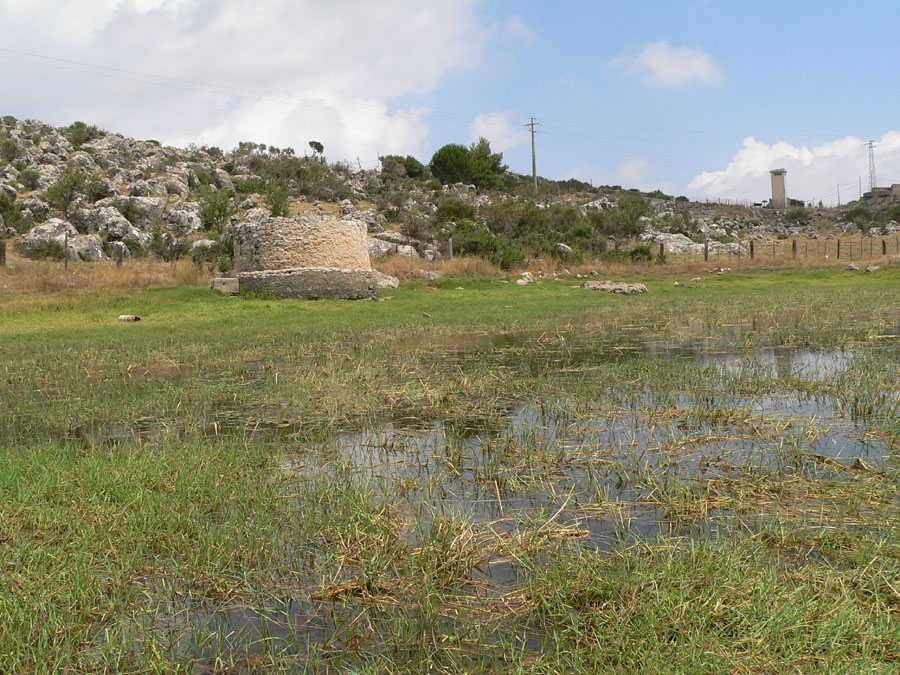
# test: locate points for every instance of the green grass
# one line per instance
(530, 479)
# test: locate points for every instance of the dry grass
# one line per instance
(412, 268)
(298, 208)
(24, 276)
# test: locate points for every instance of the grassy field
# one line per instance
(470, 476)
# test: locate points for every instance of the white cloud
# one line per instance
(283, 73)
(517, 29)
(500, 130)
(813, 173)
(661, 64)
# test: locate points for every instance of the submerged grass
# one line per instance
(537, 479)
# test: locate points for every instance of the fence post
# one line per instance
(2, 252)
(752, 250)
(66, 258)
(706, 250)
(884, 247)
(806, 249)
(450, 248)
(773, 250)
(839, 249)
(794, 248)
(662, 250)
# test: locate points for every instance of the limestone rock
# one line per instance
(386, 280)
(378, 248)
(563, 249)
(118, 248)
(108, 219)
(185, 218)
(203, 245)
(614, 287)
(54, 229)
(226, 285)
(86, 247)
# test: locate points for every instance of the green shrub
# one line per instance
(129, 208)
(797, 214)
(45, 250)
(9, 150)
(454, 208)
(12, 214)
(168, 248)
(216, 207)
(66, 189)
(29, 178)
(277, 196)
(96, 189)
(640, 253)
(859, 215)
(248, 185)
(507, 255)
(80, 133)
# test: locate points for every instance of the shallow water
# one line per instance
(605, 471)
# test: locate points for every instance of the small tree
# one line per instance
(450, 164)
(65, 190)
(277, 198)
(319, 149)
(485, 167)
(627, 219)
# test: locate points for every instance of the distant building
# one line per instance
(779, 196)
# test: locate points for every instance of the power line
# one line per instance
(531, 125)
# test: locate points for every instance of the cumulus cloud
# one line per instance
(284, 73)
(813, 173)
(661, 64)
(500, 130)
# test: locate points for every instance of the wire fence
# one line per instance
(870, 250)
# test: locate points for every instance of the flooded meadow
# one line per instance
(686, 482)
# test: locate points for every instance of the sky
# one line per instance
(694, 97)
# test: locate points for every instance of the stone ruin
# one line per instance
(310, 257)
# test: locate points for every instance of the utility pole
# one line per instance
(872, 181)
(839, 194)
(531, 126)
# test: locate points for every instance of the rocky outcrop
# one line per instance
(54, 229)
(86, 247)
(185, 218)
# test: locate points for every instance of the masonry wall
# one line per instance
(264, 243)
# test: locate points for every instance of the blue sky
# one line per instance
(694, 97)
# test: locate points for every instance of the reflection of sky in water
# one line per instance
(598, 466)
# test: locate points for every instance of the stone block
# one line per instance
(312, 283)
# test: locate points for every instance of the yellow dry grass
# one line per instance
(23, 275)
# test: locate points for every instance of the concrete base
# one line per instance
(225, 285)
(312, 283)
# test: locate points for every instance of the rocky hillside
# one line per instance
(108, 196)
